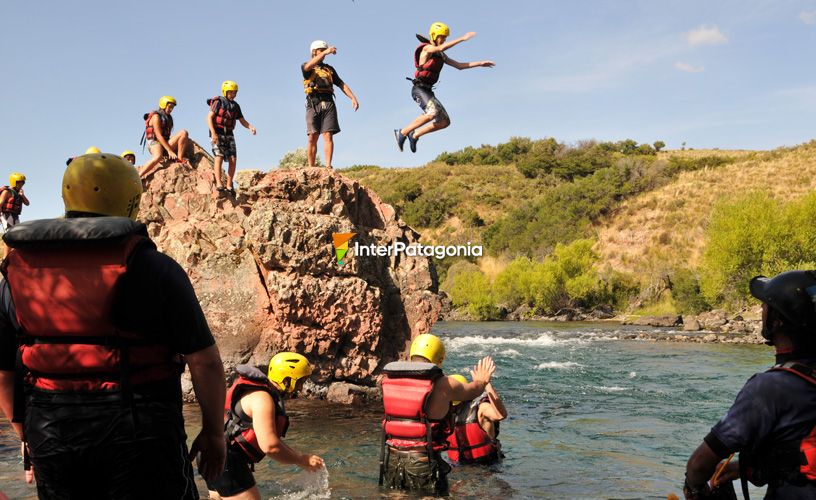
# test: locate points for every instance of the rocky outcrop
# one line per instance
(263, 266)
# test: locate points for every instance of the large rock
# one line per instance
(264, 268)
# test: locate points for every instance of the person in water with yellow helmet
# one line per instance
(256, 420)
(417, 399)
(476, 428)
(223, 115)
(161, 142)
(319, 80)
(429, 59)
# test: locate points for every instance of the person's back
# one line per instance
(104, 318)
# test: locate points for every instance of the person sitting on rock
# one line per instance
(476, 428)
(319, 80)
(160, 142)
(255, 422)
(417, 398)
(224, 113)
(129, 155)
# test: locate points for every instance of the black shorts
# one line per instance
(321, 116)
(237, 476)
(99, 450)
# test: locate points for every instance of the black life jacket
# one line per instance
(320, 82)
(791, 462)
(226, 114)
(428, 73)
(469, 443)
(238, 429)
(407, 387)
(63, 275)
(14, 203)
(165, 122)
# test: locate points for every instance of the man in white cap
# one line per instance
(319, 80)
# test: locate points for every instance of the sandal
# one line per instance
(221, 189)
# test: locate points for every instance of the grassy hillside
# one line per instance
(646, 213)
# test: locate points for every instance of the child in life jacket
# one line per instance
(476, 428)
(255, 421)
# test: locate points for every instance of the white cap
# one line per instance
(318, 45)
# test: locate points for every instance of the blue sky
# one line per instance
(724, 74)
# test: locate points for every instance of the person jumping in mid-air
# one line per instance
(429, 58)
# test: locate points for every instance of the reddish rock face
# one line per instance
(264, 267)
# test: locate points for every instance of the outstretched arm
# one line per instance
(431, 49)
(317, 59)
(350, 94)
(468, 65)
(261, 408)
(247, 125)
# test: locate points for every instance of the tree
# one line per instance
(658, 145)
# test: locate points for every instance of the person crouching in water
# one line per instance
(255, 422)
(476, 428)
(417, 398)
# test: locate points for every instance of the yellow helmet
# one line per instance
(165, 100)
(288, 365)
(127, 152)
(438, 29)
(15, 178)
(462, 379)
(92, 150)
(228, 85)
(429, 347)
(103, 184)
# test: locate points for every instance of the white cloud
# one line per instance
(705, 35)
(808, 17)
(688, 68)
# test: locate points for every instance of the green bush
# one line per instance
(297, 159)
(685, 289)
(429, 209)
(513, 286)
(471, 289)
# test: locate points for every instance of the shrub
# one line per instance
(429, 209)
(297, 159)
(685, 289)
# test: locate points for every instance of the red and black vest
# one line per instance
(63, 275)
(165, 122)
(237, 424)
(428, 73)
(14, 203)
(406, 390)
(226, 114)
(792, 462)
(469, 443)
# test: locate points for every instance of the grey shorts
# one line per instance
(225, 146)
(7, 221)
(321, 116)
(429, 103)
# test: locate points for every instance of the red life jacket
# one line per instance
(226, 114)
(469, 442)
(14, 203)
(791, 462)
(63, 276)
(165, 122)
(237, 424)
(428, 73)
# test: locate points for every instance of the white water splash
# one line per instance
(511, 353)
(307, 486)
(614, 388)
(543, 340)
(632, 374)
(558, 365)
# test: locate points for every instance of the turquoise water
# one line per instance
(590, 417)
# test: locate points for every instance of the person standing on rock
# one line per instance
(160, 142)
(476, 428)
(429, 59)
(256, 420)
(12, 199)
(771, 424)
(319, 80)
(224, 114)
(96, 326)
(417, 398)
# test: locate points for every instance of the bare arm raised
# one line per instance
(449, 389)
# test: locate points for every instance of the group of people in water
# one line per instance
(97, 325)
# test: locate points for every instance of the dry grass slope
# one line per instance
(663, 229)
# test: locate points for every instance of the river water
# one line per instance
(590, 417)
